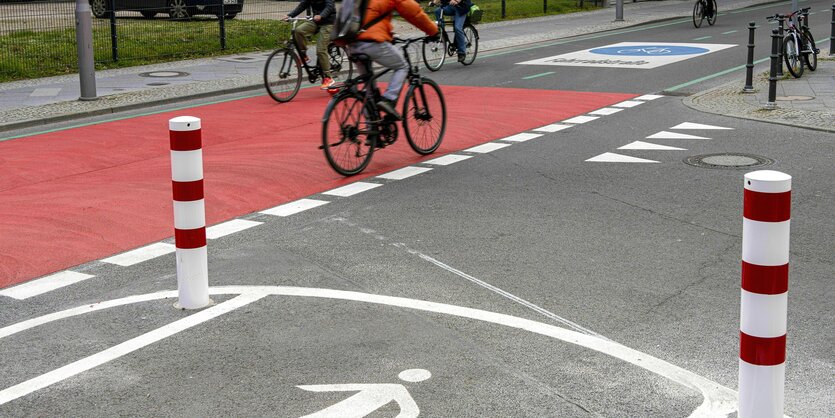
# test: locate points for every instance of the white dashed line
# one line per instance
(230, 227)
(352, 189)
(627, 104)
(610, 157)
(648, 97)
(488, 147)
(581, 119)
(606, 111)
(522, 137)
(641, 145)
(673, 135)
(555, 127)
(293, 208)
(691, 125)
(404, 172)
(45, 284)
(448, 159)
(141, 254)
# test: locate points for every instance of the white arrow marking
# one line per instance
(690, 125)
(650, 146)
(610, 157)
(370, 398)
(673, 135)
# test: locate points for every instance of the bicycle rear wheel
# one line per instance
(283, 75)
(339, 62)
(712, 18)
(471, 34)
(791, 54)
(424, 116)
(810, 54)
(349, 134)
(698, 13)
(434, 54)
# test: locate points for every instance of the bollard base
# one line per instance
(748, 90)
(182, 308)
(770, 106)
(88, 99)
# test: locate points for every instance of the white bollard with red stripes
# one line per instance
(189, 212)
(765, 285)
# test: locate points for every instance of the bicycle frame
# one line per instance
(313, 72)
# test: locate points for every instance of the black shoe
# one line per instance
(461, 57)
(387, 106)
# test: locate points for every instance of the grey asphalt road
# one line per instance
(637, 255)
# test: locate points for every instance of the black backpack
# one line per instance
(348, 24)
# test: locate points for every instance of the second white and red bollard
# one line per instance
(189, 212)
(764, 300)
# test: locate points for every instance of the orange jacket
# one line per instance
(382, 30)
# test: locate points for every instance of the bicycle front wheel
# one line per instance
(698, 13)
(810, 54)
(424, 116)
(434, 54)
(791, 54)
(348, 134)
(472, 43)
(711, 19)
(283, 75)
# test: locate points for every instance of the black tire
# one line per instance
(811, 57)
(283, 75)
(348, 135)
(472, 43)
(178, 9)
(339, 63)
(424, 116)
(148, 14)
(100, 9)
(230, 16)
(434, 54)
(792, 56)
(712, 18)
(698, 14)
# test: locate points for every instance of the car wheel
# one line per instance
(148, 14)
(231, 15)
(178, 9)
(99, 9)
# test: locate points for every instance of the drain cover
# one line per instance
(164, 74)
(727, 160)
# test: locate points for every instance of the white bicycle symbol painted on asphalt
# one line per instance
(647, 50)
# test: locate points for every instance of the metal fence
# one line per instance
(37, 38)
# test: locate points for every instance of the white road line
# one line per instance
(488, 147)
(581, 119)
(44, 284)
(522, 137)
(293, 208)
(648, 97)
(141, 254)
(404, 172)
(718, 400)
(127, 347)
(691, 125)
(448, 159)
(610, 157)
(229, 227)
(606, 111)
(554, 127)
(641, 145)
(352, 189)
(627, 104)
(673, 135)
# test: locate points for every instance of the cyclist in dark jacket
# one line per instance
(324, 12)
(458, 9)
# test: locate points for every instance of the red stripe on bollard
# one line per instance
(767, 207)
(190, 238)
(185, 140)
(765, 280)
(187, 191)
(762, 351)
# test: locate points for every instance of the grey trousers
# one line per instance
(389, 56)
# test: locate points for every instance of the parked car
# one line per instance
(176, 9)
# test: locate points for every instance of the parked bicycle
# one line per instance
(798, 42)
(283, 70)
(700, 12)
(435, 53)
(353, 127)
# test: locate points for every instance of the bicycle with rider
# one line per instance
(458, 9)
(324, 12)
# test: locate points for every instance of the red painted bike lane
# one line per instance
(82, 194)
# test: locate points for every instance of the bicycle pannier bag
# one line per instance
(348, 23)
(475, 14)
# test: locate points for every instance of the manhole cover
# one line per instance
(727, 160)
(164, 74)
(794, 98)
